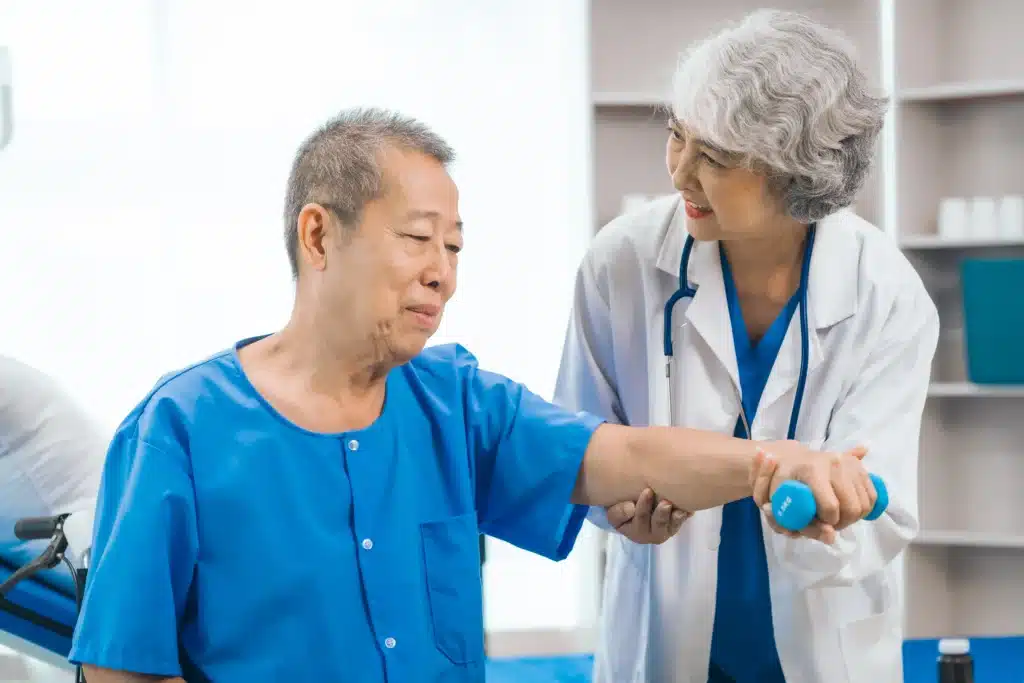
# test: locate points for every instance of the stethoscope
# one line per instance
(686, 291)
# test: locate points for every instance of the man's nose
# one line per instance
(439, 271)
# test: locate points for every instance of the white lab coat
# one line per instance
(873, 332)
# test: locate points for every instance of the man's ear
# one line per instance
(312, 225)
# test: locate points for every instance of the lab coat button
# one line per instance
(353, 445)
(389, 643)
(367, 544)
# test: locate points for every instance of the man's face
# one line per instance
(391, 277)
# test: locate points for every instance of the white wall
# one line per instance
(140, 199)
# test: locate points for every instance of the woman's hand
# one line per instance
(647, 521)
(842, 489)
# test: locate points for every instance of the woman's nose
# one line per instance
(682, 172)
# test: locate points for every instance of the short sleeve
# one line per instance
(528, 453)
(142, 562)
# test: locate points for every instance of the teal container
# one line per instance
(993, 296)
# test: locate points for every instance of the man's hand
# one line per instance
(644, 522)
(842, 489)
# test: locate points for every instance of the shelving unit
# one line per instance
(955, 72)
(959, 117)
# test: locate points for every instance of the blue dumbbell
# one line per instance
(794, 508)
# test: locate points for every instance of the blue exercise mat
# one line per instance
(997, 660)
(541, 670)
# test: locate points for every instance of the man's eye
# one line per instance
(419, 238)
(454, 248)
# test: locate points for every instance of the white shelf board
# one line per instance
(969, 539)
(971, 90)
(923, 242)
(967, 389)
(628, 99)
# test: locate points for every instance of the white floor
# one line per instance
(21, 662)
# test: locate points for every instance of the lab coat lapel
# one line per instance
(831, 298)
(707, 314)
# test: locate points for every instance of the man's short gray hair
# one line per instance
(787, 96)
(338, 166)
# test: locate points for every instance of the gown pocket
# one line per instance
(452, 567)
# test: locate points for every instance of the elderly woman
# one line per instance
(753, 302)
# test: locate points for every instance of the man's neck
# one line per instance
(337, 368)
(314, 385)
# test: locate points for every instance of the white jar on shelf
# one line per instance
(954, 223)
(1011, 217)
(984, 222)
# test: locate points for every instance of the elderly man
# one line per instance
(306, 505)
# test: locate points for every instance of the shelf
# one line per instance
(969, 539)
(970, 90)
(629, 99)
(967, 389)
(929, 242)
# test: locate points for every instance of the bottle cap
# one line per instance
(954, 646)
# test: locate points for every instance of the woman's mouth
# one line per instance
(697, 211)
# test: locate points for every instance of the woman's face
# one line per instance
(723, 199)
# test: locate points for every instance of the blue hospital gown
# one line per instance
(231, 542)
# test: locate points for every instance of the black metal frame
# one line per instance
(48, 559)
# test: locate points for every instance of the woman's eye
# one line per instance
(710, 160)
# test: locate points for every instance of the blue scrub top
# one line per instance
(267, 552)
(743, 641)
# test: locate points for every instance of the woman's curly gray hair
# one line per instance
(786, 95)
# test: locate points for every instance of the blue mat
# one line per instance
(997, 660)
(541, 670)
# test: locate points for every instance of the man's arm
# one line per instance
(882, 411)
(143, 559)
(98, 675)
(532, 458)
(588, 381)
(695, 469)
